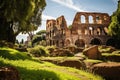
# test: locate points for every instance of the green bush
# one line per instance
(106, 49)
(38, 51)
(51, 48)
(6, 44)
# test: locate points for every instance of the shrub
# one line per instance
(6, 44)
(106, 49)
(116, 52)
(38, 51)
(51, 48)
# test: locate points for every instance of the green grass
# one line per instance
(110, 54)
(93, 61)
(59, 58)
(32, 69)
(12, 54)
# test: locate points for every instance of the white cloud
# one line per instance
(68, 3)
(45, 17)
(115, 1)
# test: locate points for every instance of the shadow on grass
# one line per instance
(13, 55)
(6, 54)
(27, 74)
(33, 74)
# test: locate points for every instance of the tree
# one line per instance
(17, 42)
(41, 32)
(36, 38)
(22, 41)
(114, 27)
(40, 36)
(19, 16)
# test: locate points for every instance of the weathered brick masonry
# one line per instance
(87, 28)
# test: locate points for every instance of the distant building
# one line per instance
(87, 28)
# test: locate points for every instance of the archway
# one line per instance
(98, 31)
(80, 43)
(95, 41)
(110, 42)
(67, 42)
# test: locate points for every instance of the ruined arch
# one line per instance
(82, 19)
(90, 30)
(105, 30)
(98, 31)
(97, 19)
(110, 42)
(80, 43)
(95, 41)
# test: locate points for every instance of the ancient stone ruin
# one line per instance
(87, 28)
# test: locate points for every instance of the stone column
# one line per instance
(86, 19)
(94, 19)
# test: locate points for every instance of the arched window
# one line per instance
(83, 19)
(98, 20)
(90, 19)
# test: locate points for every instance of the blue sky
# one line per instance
(68, 8)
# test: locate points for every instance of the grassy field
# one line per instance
(33, 69)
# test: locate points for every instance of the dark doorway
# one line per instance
(110, 42)
(95, 41)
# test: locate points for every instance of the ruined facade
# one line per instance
(87, 28)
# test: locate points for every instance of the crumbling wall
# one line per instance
(87, 28)
(91, 27)
(56, 32)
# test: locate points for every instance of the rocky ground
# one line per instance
(101, 60)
